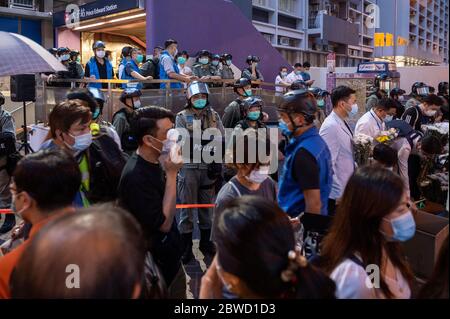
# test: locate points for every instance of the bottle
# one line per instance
(171, 146)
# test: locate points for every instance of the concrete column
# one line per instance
(48, 38)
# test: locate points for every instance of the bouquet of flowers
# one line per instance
(386, 137)
(362, 148)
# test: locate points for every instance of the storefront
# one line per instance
(117, 23)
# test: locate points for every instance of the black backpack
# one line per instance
(128, 140)
(106, 162)
(9, 150)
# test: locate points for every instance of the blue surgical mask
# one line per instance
(389, 118)
(284, 128)
(320, 103)
(248, 92)
(140, 58)
(181, 60)
(82, 142)
(65, 57)
(297, 72)
(403, 227)
(215, 63)
(204, 61)
(254, 116)
(96, 113)
(354, 111)
(200, 103)
(229, 62)
(283, 74)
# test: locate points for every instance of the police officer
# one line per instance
(396, 94)
(195, 184)
(419, 90)
(253, 114)
(298, 85)
(98, 67)
(75, 64)
(122, 119)
(305, 184)
(226, 72)
(8, 147)
(252, 72)
(234, 112)
(204, 69)
(320, 96)
(132, 71)
(63, 55)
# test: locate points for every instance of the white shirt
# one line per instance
(185, 70)
(278, 80)
(339, 139)
(403, 148)
(352, 282)
(370, 124)
(292, 77)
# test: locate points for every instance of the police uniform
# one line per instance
(200, 70)
(227, 73)
(194, 185)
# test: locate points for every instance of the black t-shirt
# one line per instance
(306, 170)
(141, 192)
(101, 71)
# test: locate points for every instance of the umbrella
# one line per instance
(20, 55)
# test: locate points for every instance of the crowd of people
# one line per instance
(101, 197)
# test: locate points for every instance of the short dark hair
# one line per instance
(65, 114)
(341, 93)
(431, 144)
(51, 177)
(109, 250)
(169, 42)
(145, 119)
(385, 155)
(83, 95)
(245, 230)
(432, 99)
(386, 104)
(297, 65)
(306, 64)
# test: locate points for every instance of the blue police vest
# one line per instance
(290, 197)
(94, 71)
(163, 74)
(125, 76)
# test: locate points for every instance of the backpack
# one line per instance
(128, 140)
(106, 162)
(9, 150)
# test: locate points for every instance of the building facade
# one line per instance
(31, 18)
(419, 29)
(305, 30)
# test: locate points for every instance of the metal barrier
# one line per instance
(174, 99)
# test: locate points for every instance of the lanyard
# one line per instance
(348, 127)
(379, 126)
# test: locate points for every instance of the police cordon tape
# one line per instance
(179, 206)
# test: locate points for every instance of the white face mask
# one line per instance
(258, 176)
(137, 104)
(401, 98)
(100, 54)
(430, 113)
(388, 118)
(14, 209)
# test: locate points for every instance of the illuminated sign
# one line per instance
(372, 67)
(387, 40)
